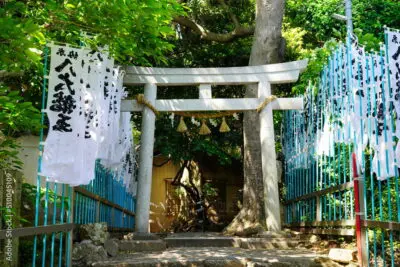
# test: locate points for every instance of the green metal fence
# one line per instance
(345, 113)
(105, 199)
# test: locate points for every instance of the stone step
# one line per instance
(247, 243)
(132, 246)
(210, 262)
(268, 243)
(218, 241)
(215, 257)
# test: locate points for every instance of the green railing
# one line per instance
(347, 112)
(105, 199)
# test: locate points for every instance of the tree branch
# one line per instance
(231, 14)
(161, 164)
(238, 32)
(7, 75)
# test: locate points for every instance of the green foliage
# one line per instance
(317, 60)
(370, 41)
(372, 15)
(134, 32)
(315, 17)
(336, 170)
(192, 51)
(188, 146)
(294, 37)
(18, 38)
(213, 16)
(29, 195)
(9, 154)
(16, 219)
(209, 191)
(16, 117)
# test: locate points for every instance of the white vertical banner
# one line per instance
(92, 80)
(347, 106)
(382, 137)
(63, 111)
(117, 123)
(106, 118)
(359, 99)
(85, 122)
(393, 50)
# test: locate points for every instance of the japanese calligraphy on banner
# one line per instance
(65, 114)
(393, 45)
(85, 123)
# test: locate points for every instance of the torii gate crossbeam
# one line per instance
(262, 76)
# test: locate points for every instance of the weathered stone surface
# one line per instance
(314, 239)
(86, 252)
(151, 263)
(141, 236)
(342, 255)
(267, 240)
(112, 247)
(268, 243)
(279, 170)
(324, 262)
(219, 241)
(333, 244)
(283, 264)
(279, 234)
(223, 262)
(97, 232)
(130, 246)
(223, 256)
(323, 244)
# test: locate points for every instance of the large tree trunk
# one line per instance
(266, 49)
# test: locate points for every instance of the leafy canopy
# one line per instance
(134, 32)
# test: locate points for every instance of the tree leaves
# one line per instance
(135, 32)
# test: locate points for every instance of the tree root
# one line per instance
(244, 224)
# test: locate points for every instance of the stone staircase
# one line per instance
(217, 240)
(207, 249)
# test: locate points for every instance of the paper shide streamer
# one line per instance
(85, 122)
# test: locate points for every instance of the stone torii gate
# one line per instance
(263, 76)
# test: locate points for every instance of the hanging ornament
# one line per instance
(213, 122)
(204, 130)
(182, 126)
(195, 122)
(172, 118)
(224, 128)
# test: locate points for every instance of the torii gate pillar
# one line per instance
(268, 159)
(145, 162)
(263, 76)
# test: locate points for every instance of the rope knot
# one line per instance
(265, 103)
(143, 101)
